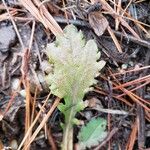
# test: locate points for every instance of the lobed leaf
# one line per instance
(75, 66)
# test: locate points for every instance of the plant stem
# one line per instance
(67, 143)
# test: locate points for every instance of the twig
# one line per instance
(132, 138)
(33, 123)
(55, 104)
(113, 131)
(133, 39)
(117, 33)
(50, 139)
(32, 35)
(141, 111)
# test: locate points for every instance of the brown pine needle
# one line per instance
(130, 70)
(132, 138)
(133, 96)
(56, 102)
(42, 15)
(140, 86)
(98, 90)
(33, 123)
(114, 39)
(27, 115)
(136, 81)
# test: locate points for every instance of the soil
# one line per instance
(123, 85)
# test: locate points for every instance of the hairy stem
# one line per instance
(67, 143)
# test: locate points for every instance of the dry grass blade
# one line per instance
(42, 15)
(142, 28)
(136, 21)
(125, 24)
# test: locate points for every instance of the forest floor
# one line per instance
(121, 29)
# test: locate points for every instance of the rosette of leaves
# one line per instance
(75, 66)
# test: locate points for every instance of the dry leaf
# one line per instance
(98, 22)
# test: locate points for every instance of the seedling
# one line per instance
(75, 66)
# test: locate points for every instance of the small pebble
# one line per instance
(14, 144)
(23, 93)
(124, 66)
(131, 63)
(15, 84)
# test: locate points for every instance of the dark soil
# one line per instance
(136, 54)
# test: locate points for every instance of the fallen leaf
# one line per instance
(98, 22)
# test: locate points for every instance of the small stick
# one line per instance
(113, 131)
(117, 33)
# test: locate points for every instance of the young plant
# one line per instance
(75, 66)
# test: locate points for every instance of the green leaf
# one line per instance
(75, 66)
(93, 133)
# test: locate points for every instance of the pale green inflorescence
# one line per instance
(75, 65)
